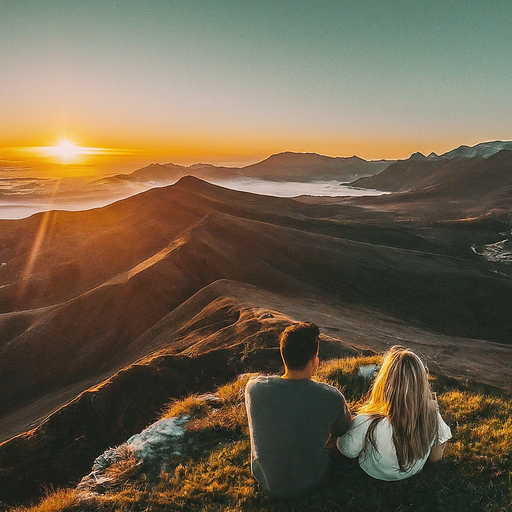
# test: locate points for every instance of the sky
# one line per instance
(234, 81)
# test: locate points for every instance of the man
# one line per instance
(291, 418)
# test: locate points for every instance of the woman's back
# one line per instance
(381, 461)
(399, 422)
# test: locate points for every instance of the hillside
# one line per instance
(161, 288)
(410, 174)
(197, 458)
(211, 237)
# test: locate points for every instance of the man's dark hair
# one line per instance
(299, 344)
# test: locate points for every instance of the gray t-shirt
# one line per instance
(290, 422)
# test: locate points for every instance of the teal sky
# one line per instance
(238, 80)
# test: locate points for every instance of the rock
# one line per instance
(153, 448)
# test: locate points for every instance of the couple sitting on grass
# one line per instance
(297, 425)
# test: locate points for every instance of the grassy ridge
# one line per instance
(213, 472)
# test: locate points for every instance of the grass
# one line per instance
(213, 474)
(63, 500)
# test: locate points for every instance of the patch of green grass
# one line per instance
(213, 474)
(344, 375)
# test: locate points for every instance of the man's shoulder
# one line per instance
(261, 381)
(261, 385)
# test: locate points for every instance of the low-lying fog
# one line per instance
(331, 188)
(23, 199)
(26, 209)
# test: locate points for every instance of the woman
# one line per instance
(399, 426)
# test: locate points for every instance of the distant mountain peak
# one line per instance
(156, 165)
(417, 156)
(294, 157)
(483, 149)
(201, 166)
(290, 166)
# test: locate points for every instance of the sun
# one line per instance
(72, 156)
(67, 151)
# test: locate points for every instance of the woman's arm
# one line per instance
(436, 452)
(352, 442)
(444, 434)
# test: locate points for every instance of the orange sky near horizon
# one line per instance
(97, 160)
(230, 83)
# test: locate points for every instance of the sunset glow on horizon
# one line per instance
(65, 152)
(234, 82)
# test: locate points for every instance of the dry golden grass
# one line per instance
(62, 500)
(126, 469)
(198, 405)
(332, 369)
(483, 425)
(190, 406)
(343, 374)
(233, 393)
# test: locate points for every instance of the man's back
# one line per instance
(290, 422)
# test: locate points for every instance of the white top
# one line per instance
(383, 464)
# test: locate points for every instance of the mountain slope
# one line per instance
(462, 178)
(191, 283)
(306, 166)
(90, 333)
(197, 455)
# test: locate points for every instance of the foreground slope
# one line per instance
(209, 340)
(197, 458)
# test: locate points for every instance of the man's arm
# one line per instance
(343, 421)
(331, 443)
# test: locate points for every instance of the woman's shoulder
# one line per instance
(368, 418)
(362, 420)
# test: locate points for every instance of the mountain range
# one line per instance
(289, 166)
(468, 175)
(279, 167)
(483, 149)
(23, 196)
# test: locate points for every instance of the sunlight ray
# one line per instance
(36, 248)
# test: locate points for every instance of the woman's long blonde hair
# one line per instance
(401, 392)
